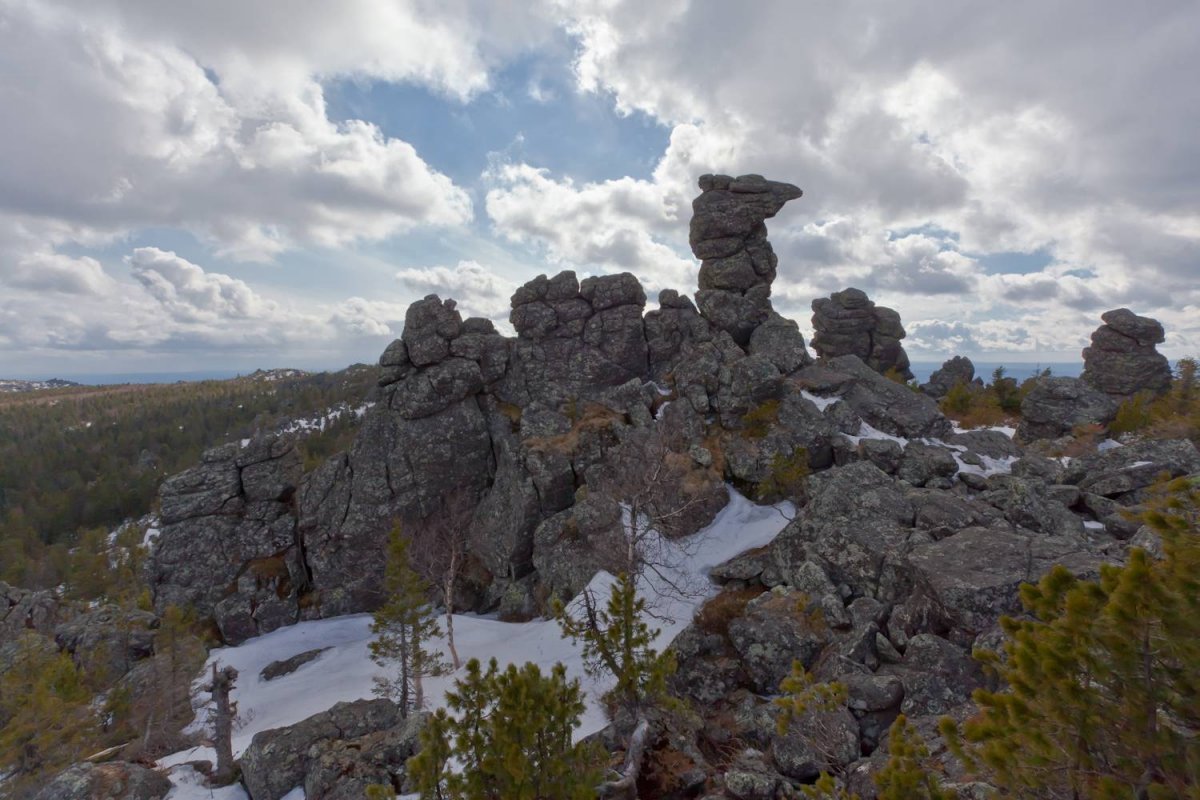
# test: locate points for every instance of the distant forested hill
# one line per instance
(86, 457)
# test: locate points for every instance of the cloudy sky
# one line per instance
(226, 185)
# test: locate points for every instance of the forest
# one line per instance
(78, 460)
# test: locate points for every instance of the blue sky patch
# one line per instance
(1010, 263)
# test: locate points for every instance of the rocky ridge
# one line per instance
(911, 542)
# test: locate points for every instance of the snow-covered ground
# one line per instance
(345, 670)
(988, 466)
(322, 419)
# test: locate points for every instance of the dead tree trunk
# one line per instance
(222, 685)
(635, 754)
(448, 597)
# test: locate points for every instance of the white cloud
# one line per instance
(358, 316)
(612, 226)
(122, 128)
(926, 139)
(1011, 128)
(192, 294)
(478, 290)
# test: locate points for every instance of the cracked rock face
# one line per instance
(729, 235)
(1122, 359)
(848, 323)
(1056, 406)
(228, 545)
(575, 339)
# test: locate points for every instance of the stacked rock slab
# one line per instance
(428, 436)
(848, 323)
(729, 235)
(1122, 360)
(228, 545)
(575, 339)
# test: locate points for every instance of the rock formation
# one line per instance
(729, 236)
(848, 323)
(228, 546)
(117, 779)
(576, 340)
(908, 544)
(1056, 406)
(1122, 360)
(334, 754)
(953, 371)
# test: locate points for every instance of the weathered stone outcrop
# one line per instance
(117, 780)
(668, 327)
(956, 370)
(24, 610)
(884, 404)
(848, 323)
(346, 737)
(228, 545)
(1122, 359)
(729, 236)
(973, 576)
(108, 640)
(1123, 474)
(575, 340)
(774, 632)
(856, 528)
(1056, 406)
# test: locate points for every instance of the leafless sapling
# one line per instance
(439, 553)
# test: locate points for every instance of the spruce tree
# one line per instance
(403, 627)
(1101, 681)
(509, 738)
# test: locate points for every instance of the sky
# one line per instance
(229, 185)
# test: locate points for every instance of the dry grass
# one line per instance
(513, 412)
(757, 422)
(664, 772)
(271, 572)
(593, 417)
(715, 615)
(714, 443)
(1084, 439)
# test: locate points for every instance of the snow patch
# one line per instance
(1108, 444)
(821, 403)
(989, 467)
(188, 784)
(868, 431)
(345, 671)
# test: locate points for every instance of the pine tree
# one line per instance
(509, 738)
(905, 776)
(403, 627)
(802, 694)
(46, 716)
(1102, 682)
(617, 641)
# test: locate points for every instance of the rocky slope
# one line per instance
(910, 539)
